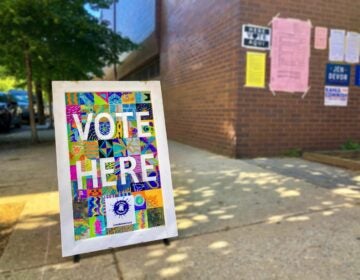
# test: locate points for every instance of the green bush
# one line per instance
(294, 152)
(350, 145)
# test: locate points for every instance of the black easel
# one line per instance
(76, 258)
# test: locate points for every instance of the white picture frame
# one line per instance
(70, 246)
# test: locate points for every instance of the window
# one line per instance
(149, 71)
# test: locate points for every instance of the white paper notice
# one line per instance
(337, 45)
(336, 96)
(120, 211)
(352, 51)
(290, 55)
(321, 38)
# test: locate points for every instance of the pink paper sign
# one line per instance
(290, 54)
(321, 38)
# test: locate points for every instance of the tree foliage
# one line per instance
(8, 82)
(64, 40)
(56, 40)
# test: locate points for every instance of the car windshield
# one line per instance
(20, 96)
(3, 98)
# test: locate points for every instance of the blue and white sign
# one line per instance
(119, 211)
(357, 75)
(337, 74)
(336, 96)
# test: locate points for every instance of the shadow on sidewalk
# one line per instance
(213, 195)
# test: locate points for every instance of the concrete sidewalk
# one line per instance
(240, 219)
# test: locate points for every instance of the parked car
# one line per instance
(22, 99)
(10, 112)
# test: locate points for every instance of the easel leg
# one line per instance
(76, 258)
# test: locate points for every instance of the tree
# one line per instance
(57, 40)
(39, 101)
(84, 41)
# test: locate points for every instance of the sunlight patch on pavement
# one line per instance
(287, 193)
(218, 245)
(275, 219)
(217, 212)
(181, 207)
(327, 203)
(328, 213)
(170, 271)
(347, 192)
(298, 219)
(157, 253)
(151, 262)
(226, 217)
(201, 203)
(176, 258)
(26, 197)
(200, 218)
(184, 223)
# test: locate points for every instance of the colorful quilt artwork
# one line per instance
(115, 175)
(114, 169)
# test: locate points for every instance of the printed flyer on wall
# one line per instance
(336, 96)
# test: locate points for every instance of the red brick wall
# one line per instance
(203, 73)
(270, 125)
(199, 72)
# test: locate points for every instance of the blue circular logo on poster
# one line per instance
(121, 207)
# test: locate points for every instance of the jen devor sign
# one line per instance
(113, 165)
(337, 74)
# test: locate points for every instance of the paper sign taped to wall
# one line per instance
(337, 74)
(357, 75)
(337, 45)
(352, 49)
(336, 96)
(255, 69)
(113, 165)
(321, 38)
(290, 54)
(256, 37)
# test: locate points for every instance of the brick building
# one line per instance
(194, 48)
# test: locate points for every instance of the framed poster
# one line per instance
(113, 165)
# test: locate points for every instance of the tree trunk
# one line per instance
(34, 136)
(49, 92)
(40, 102)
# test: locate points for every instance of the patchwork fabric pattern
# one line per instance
(114, 166)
